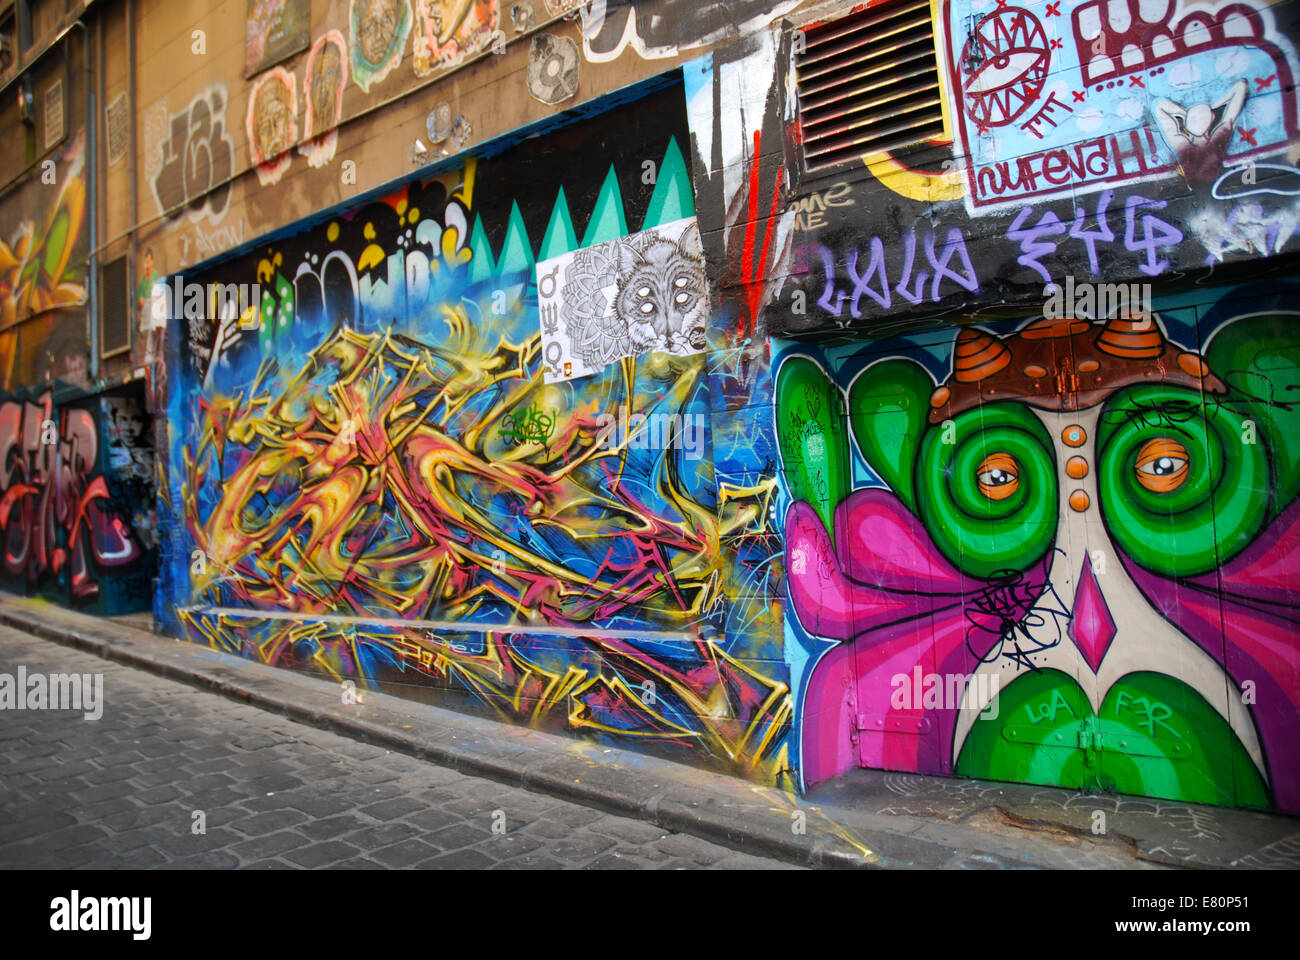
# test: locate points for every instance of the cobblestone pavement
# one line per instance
(122, 792)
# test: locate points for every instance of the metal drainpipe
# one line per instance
(133, 262)
(92, 202)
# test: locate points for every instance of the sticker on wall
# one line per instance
(274, 31)
(552, 74)
(53, 109)
(438, 123)
(379, 29)
(622, 298)
(522, 17)
(117, 124)
(461, 131)
(148, 352)
(327, 74)
(131, 460)
(272, 124)
(450, 31)
(156, 127)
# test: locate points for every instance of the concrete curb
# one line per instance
(675, 807)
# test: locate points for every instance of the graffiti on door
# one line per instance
(1061, 552)
(61, 514)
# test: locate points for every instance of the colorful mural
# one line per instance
(75, 481)
(327, 75)
(1059, 551)
(42, 273)
(373, 477)
(531, 434)
(1071, 155)
(1067, 98)
(274, 30)
(448, 32)
(378, 35)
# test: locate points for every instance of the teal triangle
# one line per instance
(672, 199)
(481, 265)
(560, 237)
(607, 221)
(517, 252)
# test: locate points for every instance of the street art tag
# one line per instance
(1060, 98)
(622, 298)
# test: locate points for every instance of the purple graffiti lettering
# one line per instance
(824, 301)
(956, 246)
(862, 283)
(1090, 237)
(1029, 238)
(909, 255)
(1156, 233)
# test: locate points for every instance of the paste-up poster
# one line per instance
(622, 298)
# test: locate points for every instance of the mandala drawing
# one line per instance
(641, 293)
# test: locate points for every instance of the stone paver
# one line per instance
(124, 792)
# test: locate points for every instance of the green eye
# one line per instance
(1180, 492)
(987, 489)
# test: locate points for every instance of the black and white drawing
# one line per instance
(622, 298)
(552, 74)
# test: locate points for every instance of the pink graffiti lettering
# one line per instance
(54, 512)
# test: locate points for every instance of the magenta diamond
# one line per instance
(1092, 628)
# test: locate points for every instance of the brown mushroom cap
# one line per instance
(1065, 364)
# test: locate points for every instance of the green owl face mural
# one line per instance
(1065, 559)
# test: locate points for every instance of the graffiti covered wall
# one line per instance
(1055, 551)
(43, 274)
(77, 511)
(534, 435)
(383, 471)
(1101, 141)
(1069, 98)
(1055, 547)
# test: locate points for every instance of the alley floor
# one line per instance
(131, 789)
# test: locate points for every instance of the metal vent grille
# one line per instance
(868, 82)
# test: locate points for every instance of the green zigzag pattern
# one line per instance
(673, 199)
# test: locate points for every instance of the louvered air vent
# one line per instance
(868, 82)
